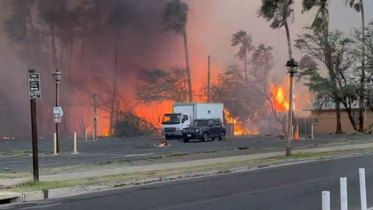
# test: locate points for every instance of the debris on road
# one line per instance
(163, 144)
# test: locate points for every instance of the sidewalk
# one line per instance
(179, 165)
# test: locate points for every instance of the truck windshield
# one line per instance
(199, 123)
(171, 119)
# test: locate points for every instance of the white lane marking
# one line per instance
(42, 206)
(139, 155)
(246, 193)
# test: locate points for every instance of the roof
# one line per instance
(328, 106)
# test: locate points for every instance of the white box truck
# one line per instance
(183, 115)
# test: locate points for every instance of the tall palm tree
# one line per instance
(175, 19)
(279, 11)
(245, 40)
(320, 25)
(358, 5)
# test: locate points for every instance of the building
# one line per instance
(325, 119)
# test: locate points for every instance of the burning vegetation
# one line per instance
(100, 47)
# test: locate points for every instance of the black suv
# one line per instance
(204, 129)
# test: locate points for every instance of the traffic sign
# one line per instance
(34, 85)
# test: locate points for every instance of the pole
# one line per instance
(290, 117)
(208, 80)
(34, 130)
(344, 201)
(75, 144)
(57, 123)
(86, 135)
(312, 131)
(55, 143)
(94, 117)
(363, 192)
(325, 200)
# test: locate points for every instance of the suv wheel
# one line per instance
(205, 137)
(186, 140)
(168, 137)
(222, 136)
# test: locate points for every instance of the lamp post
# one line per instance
(292, 69)
(57, 77)
(94, 96)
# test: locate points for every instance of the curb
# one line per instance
(79, 190)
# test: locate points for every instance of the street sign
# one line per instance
(58, 113)
(34, 85)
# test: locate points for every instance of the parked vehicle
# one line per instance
(205, 129)
(183, 114)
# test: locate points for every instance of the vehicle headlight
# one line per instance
(197, 130)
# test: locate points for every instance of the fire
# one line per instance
(106, 132)
(280, 101)
(238, 128)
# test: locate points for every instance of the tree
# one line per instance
(244, 40)
(262, 60)
(117, 20)
(175, 19)
(320, 25)
(240, 97)
(279, 11)
(158, 85)
(358, 5)
(327, 90)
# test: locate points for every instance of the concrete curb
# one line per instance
(78, 190)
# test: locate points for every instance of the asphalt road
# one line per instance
(111, 149)
(283, 188)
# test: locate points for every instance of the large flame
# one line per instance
(238, 128)
(279, 100)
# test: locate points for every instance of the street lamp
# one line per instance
(292, 66)
(57, 78)
(94, 96)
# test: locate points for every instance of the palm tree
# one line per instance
(279, 11)
(243, 39)
(320, 25)
(358, 5)
(175, 19)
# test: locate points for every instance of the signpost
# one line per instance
(34, 93)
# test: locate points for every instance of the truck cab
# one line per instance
(173, 125)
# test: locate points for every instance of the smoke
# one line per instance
(87, 58)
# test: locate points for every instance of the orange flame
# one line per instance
(280, 102)
(237, 126)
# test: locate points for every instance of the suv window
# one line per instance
(211, 122)
(217, 122)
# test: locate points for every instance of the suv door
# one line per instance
(211, 128)
(217, 127)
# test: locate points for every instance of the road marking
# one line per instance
(247, 193)
(42, 206)
(139, 155)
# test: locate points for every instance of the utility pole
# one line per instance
(208, 81)
(94, 96)
(34, 93)
(292, 69)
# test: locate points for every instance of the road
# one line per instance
(283, 188)
(99, 151)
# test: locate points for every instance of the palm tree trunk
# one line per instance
(290, 51)
(114, 96)
(362, 79)
(54, 53)
(190, 89)
(245, 66)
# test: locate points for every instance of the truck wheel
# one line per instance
(222, 136)
(205, 137)
(186, 140)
